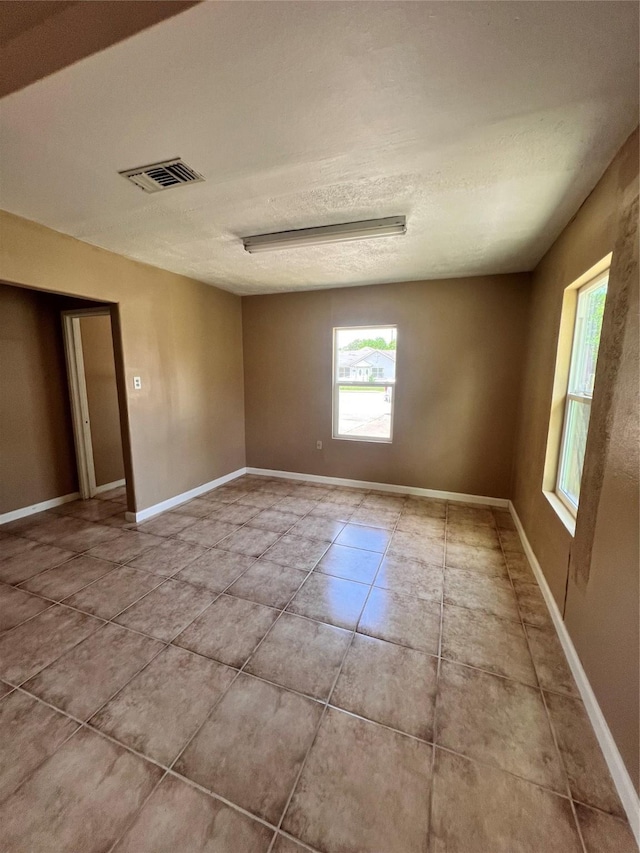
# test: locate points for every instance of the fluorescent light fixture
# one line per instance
(364, 230)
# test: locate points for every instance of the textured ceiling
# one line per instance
(487, 124)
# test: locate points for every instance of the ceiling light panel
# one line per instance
(347, 232)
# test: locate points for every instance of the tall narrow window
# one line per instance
(582, 373)
(364, 378)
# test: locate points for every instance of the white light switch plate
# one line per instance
(137, 383)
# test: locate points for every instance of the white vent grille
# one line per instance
(162, 176)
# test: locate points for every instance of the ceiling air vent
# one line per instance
(162, 176)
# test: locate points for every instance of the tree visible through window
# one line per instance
(582, 373)
(364, 376)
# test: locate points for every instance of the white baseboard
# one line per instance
(108, 486)
(170, 503)
(5, 517)
(624, 786)
(383, 487)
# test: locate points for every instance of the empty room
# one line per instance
(319, 426)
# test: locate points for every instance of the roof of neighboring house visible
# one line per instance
(349, 358)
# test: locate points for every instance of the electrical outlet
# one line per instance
(137, 383)
(318, 445)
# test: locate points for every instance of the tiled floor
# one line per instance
(279, 666)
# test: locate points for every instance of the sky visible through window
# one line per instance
(348, 336)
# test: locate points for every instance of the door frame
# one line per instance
(74, 356)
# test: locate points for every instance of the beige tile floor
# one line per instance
(285, 667)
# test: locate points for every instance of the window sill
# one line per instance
(561, 511)
(362, 438)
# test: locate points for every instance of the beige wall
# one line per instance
(184, 338)
(460, 351)
(37, 456)
(599, 596)
(102, 398)
(35, 37)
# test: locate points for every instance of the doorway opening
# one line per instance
(95, 410)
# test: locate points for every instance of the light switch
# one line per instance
(137, 383)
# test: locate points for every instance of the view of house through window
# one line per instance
(582, 373)
(364, 365)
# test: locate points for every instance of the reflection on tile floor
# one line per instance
(280, 667)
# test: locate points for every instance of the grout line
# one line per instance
(480, 610)
(111, 620)
(42, 571)
(242, 668)
(301, 844)
(215, 705)
(214, 796)
(224, 693)
(331, 691)
(54, 660)
(79, 720)
(167, 769)
(22, 588)
(600, 810)
(490, 766)
(312, 742)
(29, 618)
(123, 686)
(163, 579)
(550, 724)
(193, 783)
(242, 574)
(78, 610)
(83, 553)
(491, 672)
(565, 772)
(134, 816)
(437, 685)
(59, 746)
(389, 728)
(265, 680)
(315, 699)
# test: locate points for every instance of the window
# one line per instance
(582, 372)
(364, 375)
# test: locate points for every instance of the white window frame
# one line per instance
(584, 399)
(337, 382)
